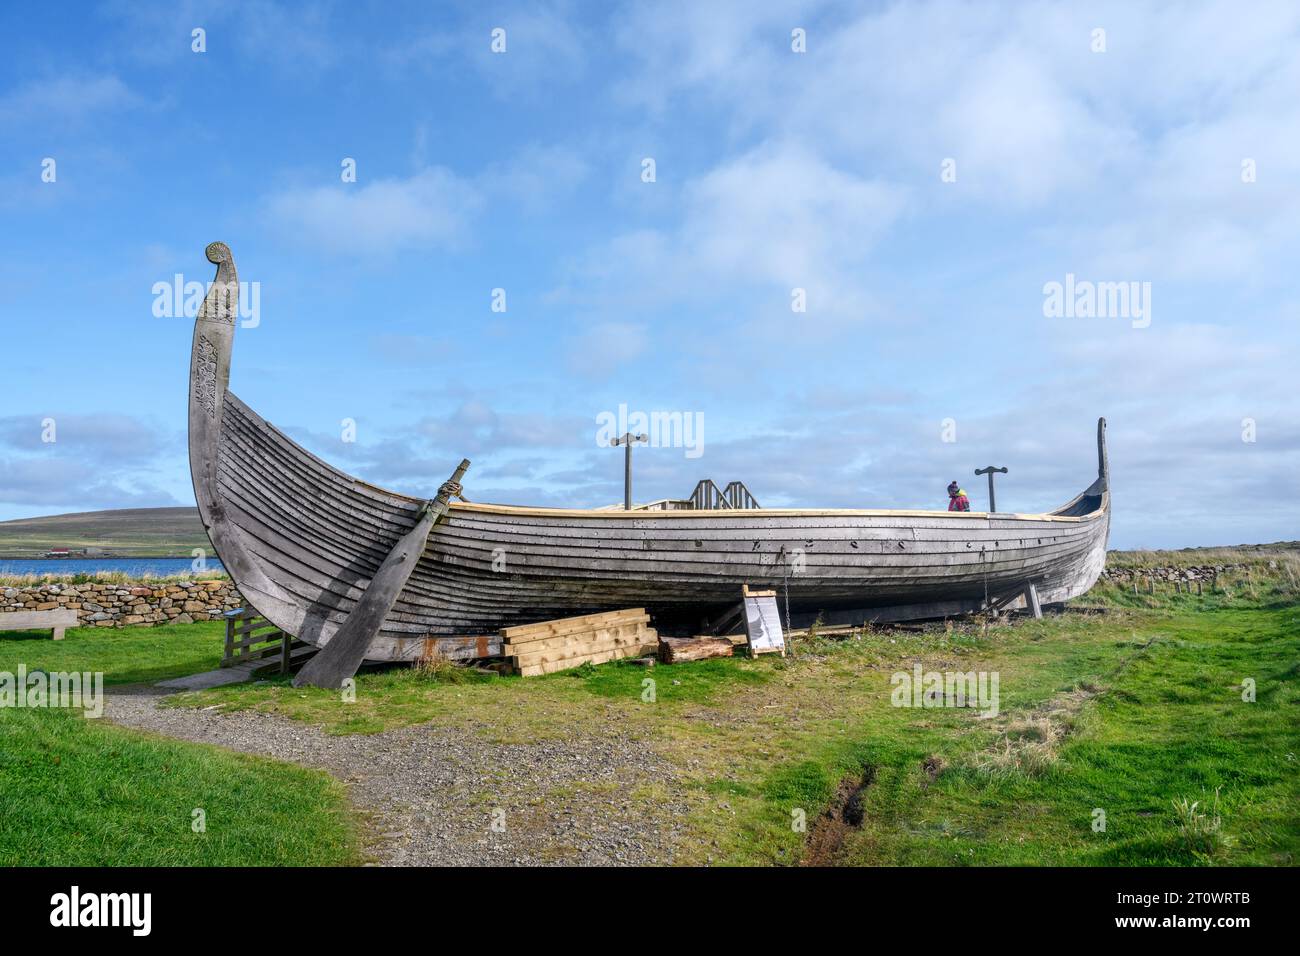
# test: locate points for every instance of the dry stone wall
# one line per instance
(1207, 572)
(124, 605)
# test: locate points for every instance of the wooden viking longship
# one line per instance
(367, 573)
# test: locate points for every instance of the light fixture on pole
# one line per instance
(627, 441)
(993, 504)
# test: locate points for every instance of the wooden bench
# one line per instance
(56, 620)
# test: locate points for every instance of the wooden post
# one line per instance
(1031, 598)
(231, 617)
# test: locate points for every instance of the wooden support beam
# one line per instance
(729, 620)
(342, 655)
(1031, 599)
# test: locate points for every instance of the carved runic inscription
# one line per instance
(205, 376)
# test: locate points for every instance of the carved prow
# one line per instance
(214, 334)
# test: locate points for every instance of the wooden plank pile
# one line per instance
(558, 645)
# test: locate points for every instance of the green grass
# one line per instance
(75, 792)
(127, 655)
(1259, 554)
(79, 792)
(552, 705)
(1136, 711)
(702, 683)
(1169, 725)
(1130, 711)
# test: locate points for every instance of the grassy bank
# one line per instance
(1136, 712)
(126, 532)
(83, 792)
(127, 655)
(1250, 554)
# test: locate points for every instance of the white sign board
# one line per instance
(763, 623)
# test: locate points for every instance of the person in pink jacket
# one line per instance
(957, 500)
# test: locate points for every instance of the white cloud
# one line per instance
(602, 349)
(291, 38)
(748, 232)
(95, 461)
(782, 214)
(108, 437)
(716, 50)
(66, 98)
(536, 176)
(431, 208)
(545, 44)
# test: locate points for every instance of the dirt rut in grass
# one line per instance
(844, 815)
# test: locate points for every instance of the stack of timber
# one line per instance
(551, 646)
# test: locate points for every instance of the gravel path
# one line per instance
(440, 796)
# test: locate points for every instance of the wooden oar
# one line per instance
(343, 653)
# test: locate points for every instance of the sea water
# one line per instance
(130, 567)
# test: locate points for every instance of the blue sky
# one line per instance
(774, 170)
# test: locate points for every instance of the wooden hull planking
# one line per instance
(303, 540)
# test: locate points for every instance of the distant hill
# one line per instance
(128, 532)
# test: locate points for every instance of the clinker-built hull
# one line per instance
(305, 542)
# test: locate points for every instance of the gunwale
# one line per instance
(773, 513)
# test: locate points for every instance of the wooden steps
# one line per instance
(254, 643)
(551, 646)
